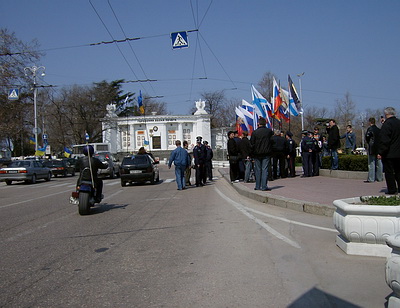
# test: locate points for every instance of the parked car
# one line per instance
(139, 168)
(72, 162)
(25, 170)
(113, 166)
(60, 167)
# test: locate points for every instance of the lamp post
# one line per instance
(362, 117)
(34, 70)
(301, 99)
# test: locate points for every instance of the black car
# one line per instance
(139, 168)
(60, 167)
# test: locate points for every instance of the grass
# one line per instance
(381, 200)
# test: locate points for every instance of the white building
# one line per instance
(157, 133)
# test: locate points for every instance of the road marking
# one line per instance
(30, 200)
(290, 221)
(112, 183)
(59, 185)
(242, 209)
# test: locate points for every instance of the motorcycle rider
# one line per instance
(95, 165)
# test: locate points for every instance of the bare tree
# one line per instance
(16, 116)
(151, 105)
(266, 85)
(345, 110)
(216, 106)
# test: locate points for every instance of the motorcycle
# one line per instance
(85, 193)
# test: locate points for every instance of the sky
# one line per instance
(341, 46)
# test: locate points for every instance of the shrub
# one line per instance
(348, 162)
(381, 200)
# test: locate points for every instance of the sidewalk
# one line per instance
(313, 195)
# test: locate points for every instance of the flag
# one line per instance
(277, 101)
(32, 140)
(41, 151)
(258, 99)
(291, 106)
(294, 95)
(284, 107)
(246, 105)
(261, 106)
(67, 152)
(140, 102)
(249, 119)
(250, 115)
(241, 120)
(240, 125)
(125, 103)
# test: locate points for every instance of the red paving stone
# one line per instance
(320, 189)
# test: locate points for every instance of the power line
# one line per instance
(119, 49)
(137, 59)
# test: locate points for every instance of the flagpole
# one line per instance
(289, 103)
(301, 99)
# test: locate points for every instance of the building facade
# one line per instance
(157, 133)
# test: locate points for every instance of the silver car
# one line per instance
(25, 170)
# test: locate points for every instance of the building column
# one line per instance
(180, 130)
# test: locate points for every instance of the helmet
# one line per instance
(88, 149)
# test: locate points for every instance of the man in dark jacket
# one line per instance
(278, 154)
(88, 167)
(245, 154)
(261, 145)
(389, 150)
(291, 154)
(307, 146)
(375, 170)
(199, 154)
(209, 157)
(333, 142)
(233, 153)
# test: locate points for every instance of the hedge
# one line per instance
(346, 162)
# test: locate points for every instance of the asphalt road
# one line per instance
(154, 246)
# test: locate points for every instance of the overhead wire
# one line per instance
(216, 58)
(119, 49)
(134, 53)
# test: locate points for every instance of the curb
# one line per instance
(342, 174)
(292, 204)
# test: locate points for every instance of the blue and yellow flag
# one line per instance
(140, 102)
(32, 140)
(67, 152)
(41, 151)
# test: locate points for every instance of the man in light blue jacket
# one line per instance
(181, 159)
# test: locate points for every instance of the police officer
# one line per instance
(307, 147)
(291, 154)
(208, 163)
(199, 154)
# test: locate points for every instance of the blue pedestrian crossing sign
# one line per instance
(13, 94)
(179, 40)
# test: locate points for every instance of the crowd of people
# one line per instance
(199, 158)
(270, 154)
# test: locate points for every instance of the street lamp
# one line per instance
(362, 117)
(34, 70)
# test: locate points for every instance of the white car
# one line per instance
(25, 170)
